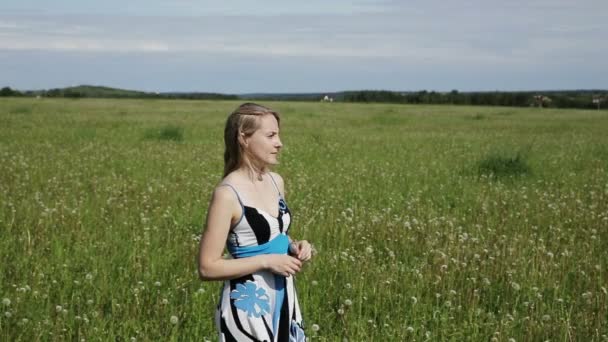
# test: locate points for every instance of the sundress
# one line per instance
(261, 306)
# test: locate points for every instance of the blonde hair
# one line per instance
(244, 119)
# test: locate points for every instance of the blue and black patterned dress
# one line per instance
(262, 306)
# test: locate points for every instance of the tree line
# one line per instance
(587, 99)
(106, 92)
(584, 99)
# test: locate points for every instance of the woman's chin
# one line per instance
(273, 161)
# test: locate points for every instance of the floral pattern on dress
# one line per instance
(251, 299)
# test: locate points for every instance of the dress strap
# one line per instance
(275, 185)
(240, 202)
(236, 193)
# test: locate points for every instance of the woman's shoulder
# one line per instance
(279, 180)
(225, 191)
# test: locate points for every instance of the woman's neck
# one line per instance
(253, 172)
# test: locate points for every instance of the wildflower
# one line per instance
(546, 317)
(58, 308)
(157, 284)
(348, 286)
(414, 300)
(8, 314)
(315, 327)
(315, 283)
(165, 301)
(340, 311)
(515, 286)
(89, 276)
(410, 329)
(369, 250)
(348, 302)
(174, 320)
(6, 301)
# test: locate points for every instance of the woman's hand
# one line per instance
(301, 249)
(282, 264)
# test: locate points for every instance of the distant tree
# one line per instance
(7, 91)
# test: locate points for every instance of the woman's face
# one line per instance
(264, 145)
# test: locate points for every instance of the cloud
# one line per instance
(399, 38)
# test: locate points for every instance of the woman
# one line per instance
(249, 215)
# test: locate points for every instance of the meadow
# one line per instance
(430, 223)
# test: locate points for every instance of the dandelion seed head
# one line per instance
(340, 311)
(6, 301)
(315, 327)
(174, 320)
(348, 302)
(410, 329)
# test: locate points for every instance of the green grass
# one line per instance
(99, 228)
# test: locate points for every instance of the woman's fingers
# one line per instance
(305, 250)
(293, 265)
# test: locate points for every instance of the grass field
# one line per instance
(438, 223)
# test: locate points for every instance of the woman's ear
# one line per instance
(242, 139)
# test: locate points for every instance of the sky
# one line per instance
(240, 47)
